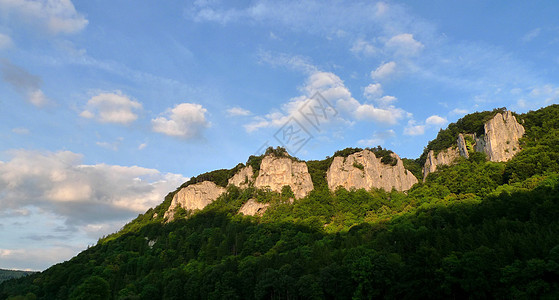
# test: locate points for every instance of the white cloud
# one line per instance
(25, 83)
(459, 111)
(362, 47)
(548, 93)
(142, 146)
(82, 194)
(378, 138)
(531, 35)
(57, 16)
(404, 45)
(36, 259)
(414, 129)
(186, 120)
(388, 115)
(5, 41)
(436, 120)
(114, 107)
(373, 91)
(333, 89)
(384, 71)
(238, 111)
(21, 130)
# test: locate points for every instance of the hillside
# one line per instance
(474, 228)
(10, 274)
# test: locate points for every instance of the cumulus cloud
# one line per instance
(5, 41)
(362, 47)
(57, 16)
(186, 120)
(115, 107)
(373, 91)
(25, 83)
(404, 45)
(414, 129)
(384, 71)
(333, 90)
(436, 120)
(82, 194)
(388, 115)
(238, 111)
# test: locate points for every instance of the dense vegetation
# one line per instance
(476, 229)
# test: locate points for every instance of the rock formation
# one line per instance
(194, 196)
(462, 147)
(364, 170)
(253, 208)
(502, 133)
(499, 143)
(242, 178)
(275, 172)
(445, 157)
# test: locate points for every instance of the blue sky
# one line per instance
(106, 106)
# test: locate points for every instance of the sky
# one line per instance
(106, 106)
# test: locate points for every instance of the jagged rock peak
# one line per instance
(364, 170)
(502, 133)
(253, 208)
(276, 172)
(194, 196)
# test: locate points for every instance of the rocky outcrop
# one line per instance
(194, 196)
(364, 170)
(500, 141)
(242, 178)
(276, 172)
(445, 157)
(253, 208)
(462, 146)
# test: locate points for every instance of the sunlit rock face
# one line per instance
(242, 178)
(364, 170)
(253, 208)
(194, 196)
(500, 141)
(445, 157)
(275, 172)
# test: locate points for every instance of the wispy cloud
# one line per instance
(238, 111)
(57, 16)
(25, 83)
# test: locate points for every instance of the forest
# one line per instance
(475, 229)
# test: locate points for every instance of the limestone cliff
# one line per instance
(194, 196)
(445, 157)
(364, 170)
(500, 141)
(242, 178)
(253, 208)
(275, 172)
